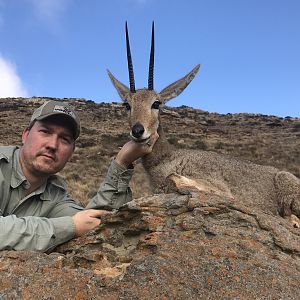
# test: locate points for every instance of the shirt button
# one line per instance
(26, 185)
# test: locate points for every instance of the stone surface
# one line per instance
(166, 246)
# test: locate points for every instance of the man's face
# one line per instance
(47, 147)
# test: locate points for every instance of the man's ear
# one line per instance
(25, 134)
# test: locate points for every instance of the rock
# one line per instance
(166, 246)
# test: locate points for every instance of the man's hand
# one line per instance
(131, 151)
(87, 220)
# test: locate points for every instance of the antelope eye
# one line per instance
(126, 105)
(156, 104)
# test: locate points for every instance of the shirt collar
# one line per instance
(17, 176)
(52, 183)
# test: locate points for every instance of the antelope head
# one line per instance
(143, 104)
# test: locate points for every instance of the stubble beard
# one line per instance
(46, 166)
(41, 166)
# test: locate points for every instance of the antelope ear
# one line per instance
(121, 88)
(176, 88)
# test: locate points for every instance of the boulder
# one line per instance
(166, 246)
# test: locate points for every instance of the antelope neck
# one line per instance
(161, 150)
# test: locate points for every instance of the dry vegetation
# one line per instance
(267, 140)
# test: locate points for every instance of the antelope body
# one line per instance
(274, 191)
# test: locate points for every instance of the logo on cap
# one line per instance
(64, 110)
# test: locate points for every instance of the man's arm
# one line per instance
(34, 233)
(67, 219)
(114, 190)
(44, 234)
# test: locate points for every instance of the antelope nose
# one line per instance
(137, 130)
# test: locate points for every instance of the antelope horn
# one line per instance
(130, 66)
(151, 62)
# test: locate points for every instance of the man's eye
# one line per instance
(66, 140)
(126, 105)
(44, 130)
(156, 104)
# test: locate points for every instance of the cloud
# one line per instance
(49, 10)
(10, 84)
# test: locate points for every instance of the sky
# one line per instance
(249, 50)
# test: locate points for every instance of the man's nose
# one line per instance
(52, 142)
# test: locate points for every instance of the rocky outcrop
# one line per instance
(166, 246)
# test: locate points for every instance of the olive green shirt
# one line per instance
(43, 219)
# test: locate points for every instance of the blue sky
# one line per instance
(249, 50)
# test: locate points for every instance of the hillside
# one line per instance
(267, 140)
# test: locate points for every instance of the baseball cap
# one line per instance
(51, 108)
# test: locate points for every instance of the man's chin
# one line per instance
(45, 170)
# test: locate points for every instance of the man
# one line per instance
(36, 211)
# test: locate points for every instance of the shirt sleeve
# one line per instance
(114, 190)
(45, 233)
(34, 233)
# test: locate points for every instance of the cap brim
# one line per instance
(76, 130)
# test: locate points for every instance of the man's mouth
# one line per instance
(48, 156)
